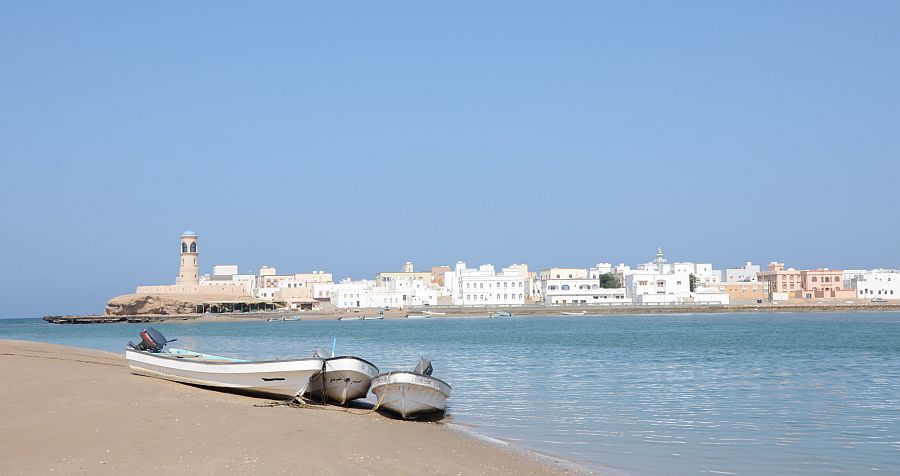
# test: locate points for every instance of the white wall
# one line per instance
(225, 269)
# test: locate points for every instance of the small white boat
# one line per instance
(411, 394)
(431, 313)
(273, 378)
(582, 313)
(501, 314)
(343, 380)
(351, 318)
(291, 318)
(373, 318)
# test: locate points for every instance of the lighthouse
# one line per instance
(188, 271)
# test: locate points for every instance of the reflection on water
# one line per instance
(721, 394)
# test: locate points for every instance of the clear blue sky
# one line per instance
(354, 136)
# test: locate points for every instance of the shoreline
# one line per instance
(438, 312)
(85, 412)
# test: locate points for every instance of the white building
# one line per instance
(648, 287)
(368, 294)
(486, 287)
(850, 276)
(705, 273)
(658, 282)
(227, 275)
(878, 283)
(744, 274)
(578, 286)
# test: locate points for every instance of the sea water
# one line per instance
(636, 395)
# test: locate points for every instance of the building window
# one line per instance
(505, 284)
(505, 296)
(481, 285)
(194, 247)
(183, 247)
(565, 287)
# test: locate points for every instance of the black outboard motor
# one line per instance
(151, 341)
(424, 367)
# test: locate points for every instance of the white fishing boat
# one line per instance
(411, 394)
(274, 378)
(343, 380)
(432, 313)
(501, 314)
(582, 313)
(291, 318)
(373, 318)
(351, 318)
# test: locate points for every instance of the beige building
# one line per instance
(743, 292)
(389, 278)
(437, 275)
(787, 282)
(296, 291)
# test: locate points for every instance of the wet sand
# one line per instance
(66, 410)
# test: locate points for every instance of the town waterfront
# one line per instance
(676, 394)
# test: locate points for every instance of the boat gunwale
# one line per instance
(388, 374)
(354, 358)
(175, 358)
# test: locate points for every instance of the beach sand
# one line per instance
(66, 410)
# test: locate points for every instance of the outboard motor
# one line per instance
(151, 341)
(424, 367)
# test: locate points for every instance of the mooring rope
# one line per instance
(302, 404)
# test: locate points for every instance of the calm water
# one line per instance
(684, 394)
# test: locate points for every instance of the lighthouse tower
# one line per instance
(188, 272)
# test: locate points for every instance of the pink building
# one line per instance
(824, 283)
(807, 284)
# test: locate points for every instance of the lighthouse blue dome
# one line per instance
(189, 233)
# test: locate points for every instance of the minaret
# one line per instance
(660, 260)
(188, 271)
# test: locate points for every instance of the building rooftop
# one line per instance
(189, 233)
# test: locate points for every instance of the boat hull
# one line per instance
(345, 379)
(275, 378)
(409, 394)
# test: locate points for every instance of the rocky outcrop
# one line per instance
(137, 304)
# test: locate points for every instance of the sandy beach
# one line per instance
(66, 410)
